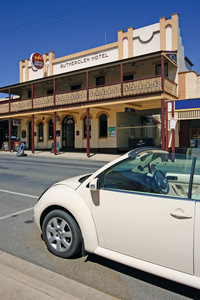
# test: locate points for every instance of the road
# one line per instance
(22, 180)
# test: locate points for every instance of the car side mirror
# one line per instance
(94, 185)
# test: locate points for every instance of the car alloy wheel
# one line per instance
(61, 234)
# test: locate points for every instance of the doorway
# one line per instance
(68, 133)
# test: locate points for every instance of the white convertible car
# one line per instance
(142, 210)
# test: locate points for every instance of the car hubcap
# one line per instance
(59, 234)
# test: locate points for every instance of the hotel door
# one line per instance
(68, 132)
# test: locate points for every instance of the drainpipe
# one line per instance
(88, 117)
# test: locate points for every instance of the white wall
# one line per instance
(146, 39)
(34, 74)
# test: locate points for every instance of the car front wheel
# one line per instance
(61, 234)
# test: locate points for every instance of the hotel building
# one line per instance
(107, 99)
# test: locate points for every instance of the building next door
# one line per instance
(68, 132)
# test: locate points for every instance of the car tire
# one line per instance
(61, 234)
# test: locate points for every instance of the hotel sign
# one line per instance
(84, 60)
(81, 62)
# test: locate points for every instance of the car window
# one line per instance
(151, 172)
(196, 181)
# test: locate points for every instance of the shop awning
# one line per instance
(187, 104)
(187, 109)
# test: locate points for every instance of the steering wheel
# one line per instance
(161, 182)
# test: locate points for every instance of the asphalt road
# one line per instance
(22, 180)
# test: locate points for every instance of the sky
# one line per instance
(67, 27)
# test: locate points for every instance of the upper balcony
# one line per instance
(113, 82)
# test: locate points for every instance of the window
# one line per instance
(127, 77)
(150, 172)
(50, 92)
(29, 94)
(85, 127)
(103, 126)
(100, 80)
(51, 129)
(75, 87)
(40, 132)
(158, 69)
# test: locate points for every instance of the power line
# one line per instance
(46, 19)
(60, 19)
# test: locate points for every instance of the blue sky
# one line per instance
(67, 27)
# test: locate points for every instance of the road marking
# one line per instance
(66, 165)
(19, 194)
(16, 213)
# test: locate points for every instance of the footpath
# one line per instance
(67, 155)
(22, 280)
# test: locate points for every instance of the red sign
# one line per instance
(16, 145)
(37, 61)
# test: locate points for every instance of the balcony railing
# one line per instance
(144, 86)
(105, 92)
(42, 102)
(170, 87)
(71, 97)
(4, 108)
(21, 105)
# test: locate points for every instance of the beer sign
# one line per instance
(37, 61)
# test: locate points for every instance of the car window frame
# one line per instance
(130, 157)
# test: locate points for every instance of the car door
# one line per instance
(134, 218)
